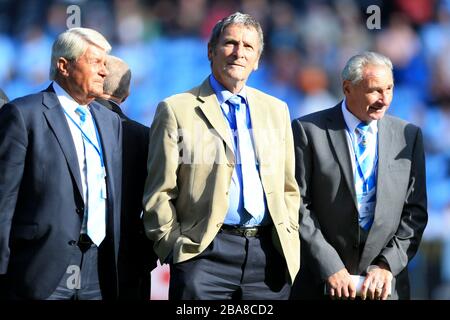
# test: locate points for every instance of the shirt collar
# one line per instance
(352, 122)
(66, 101)
(222, 93)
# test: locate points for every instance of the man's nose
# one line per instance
(103, 71)
(384, 97)
(239, 50)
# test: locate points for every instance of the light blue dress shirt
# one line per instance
(236, 214)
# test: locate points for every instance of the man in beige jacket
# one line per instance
(221, 200)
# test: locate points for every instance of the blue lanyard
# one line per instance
(358, 165)
(99, 150)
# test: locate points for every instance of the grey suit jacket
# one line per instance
(328, 215)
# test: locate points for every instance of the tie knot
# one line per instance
(235, 101)
(362, 130)
(82, 112)
(363, 127)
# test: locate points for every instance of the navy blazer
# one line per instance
(41, 203)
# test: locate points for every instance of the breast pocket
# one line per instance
(400, 165)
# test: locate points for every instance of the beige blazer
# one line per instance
(190, 165)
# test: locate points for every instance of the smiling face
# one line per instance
(83, 78)
(370, 98)
(235, 56)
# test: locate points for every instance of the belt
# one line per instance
(244, 231)
(84, 242)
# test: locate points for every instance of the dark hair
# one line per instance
(236, 18)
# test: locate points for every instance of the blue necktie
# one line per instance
(252, 188)
(95, 208)
(365, 179)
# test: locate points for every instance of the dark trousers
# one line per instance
(232, 267)
(81, 280)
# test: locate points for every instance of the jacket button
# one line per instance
(72, 242)
(80, 210)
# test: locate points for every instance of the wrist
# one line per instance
(383, 265)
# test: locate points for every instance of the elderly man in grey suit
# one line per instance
(362, 178)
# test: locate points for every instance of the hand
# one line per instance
(377, 285)
(340, 285)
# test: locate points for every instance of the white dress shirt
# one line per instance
(69, 105)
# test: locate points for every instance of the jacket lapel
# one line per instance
(211, 109)
(58, 123)
(337, 132)
(385, 138)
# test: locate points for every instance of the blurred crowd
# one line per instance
(306, 46)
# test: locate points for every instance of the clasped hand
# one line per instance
(376, 285)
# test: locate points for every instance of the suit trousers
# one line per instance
(81, 280)
(232, 267)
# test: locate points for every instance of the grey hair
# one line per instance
(117, 82)
(72, 43)
(236, 18)
(353, 70)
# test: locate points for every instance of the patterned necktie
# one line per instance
(365, 178)
(252, 188)
(95, 207)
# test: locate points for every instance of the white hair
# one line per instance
(72, 43)
(353, 70)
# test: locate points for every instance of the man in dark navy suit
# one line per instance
(136, 256)
(60, 181)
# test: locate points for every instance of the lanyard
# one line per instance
(358, 165)
(99, 150)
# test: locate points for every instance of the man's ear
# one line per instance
(125, 98)
(346, 86)
(62, 65)
(210, 52)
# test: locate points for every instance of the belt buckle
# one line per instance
(251, 232)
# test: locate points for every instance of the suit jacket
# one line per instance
(136, 255)
(328, 215)
(190, 167)
(41, 203)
